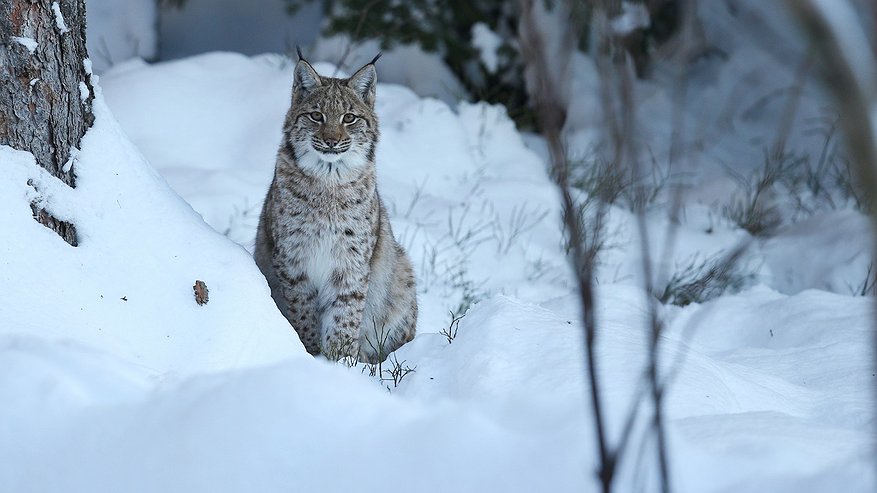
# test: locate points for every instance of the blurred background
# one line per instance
(450, 50)
(168, 29)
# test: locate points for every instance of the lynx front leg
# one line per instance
(343, 315)
(299, 306)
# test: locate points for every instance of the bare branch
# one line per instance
(546, 91)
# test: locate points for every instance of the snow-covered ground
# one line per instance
(112, 378)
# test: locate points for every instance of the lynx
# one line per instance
(324, 241)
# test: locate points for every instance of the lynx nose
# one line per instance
(331, 143)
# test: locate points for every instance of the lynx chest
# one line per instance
(324, 237)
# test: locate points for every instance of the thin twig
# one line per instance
(655, 323)
(551, 114)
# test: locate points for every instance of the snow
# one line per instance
(487, 43)
(834, 266)
(28, 43)
(84, 92)
(114, 377)
(59, 18)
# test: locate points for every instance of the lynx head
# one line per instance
(331, 128)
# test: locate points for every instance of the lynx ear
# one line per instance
(363, 82)
(306, 79)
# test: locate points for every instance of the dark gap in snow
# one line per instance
(66, 230)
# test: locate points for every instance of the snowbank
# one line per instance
(301, 425)
(127, 289)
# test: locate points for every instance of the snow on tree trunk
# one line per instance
(45, 88)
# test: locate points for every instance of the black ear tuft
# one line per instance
(305, 79)
(364, 81)
(375, 59)
(302, 57)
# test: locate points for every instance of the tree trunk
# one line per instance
(45, 88)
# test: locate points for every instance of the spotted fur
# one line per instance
(324, 241)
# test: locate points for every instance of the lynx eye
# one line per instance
(348, 118)
(316, 116)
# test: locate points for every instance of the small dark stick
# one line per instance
(201, 292)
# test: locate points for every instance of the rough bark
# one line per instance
(46, 94)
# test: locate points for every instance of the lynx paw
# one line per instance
(338, 345)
